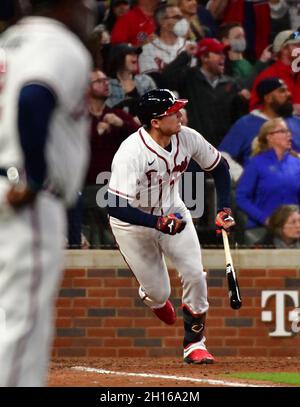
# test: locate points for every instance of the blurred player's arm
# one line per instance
(120, 208)
(35, 107)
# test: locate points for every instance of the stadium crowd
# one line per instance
(237, 61)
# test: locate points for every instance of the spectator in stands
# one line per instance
(280, 17)
(207, 20)
(99, 45)
(253, 15)
(284, 44)
(275, 100)
(271, 177)
(293, 7)
(236, 65)
(261, 19)
(172, 30)
(215, 103)
(117, 8)
(125, 83)
(197, 16)
(110, 126)
(283, 231)
(137, 26)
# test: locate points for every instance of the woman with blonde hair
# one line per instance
(272, 176)
(260, 142)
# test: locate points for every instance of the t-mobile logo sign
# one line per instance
(279, 317)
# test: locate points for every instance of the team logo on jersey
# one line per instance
(182, 166)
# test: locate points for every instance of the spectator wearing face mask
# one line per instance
(255, 17)
(236, 65)
(172, 29)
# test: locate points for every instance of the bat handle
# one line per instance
(226, 247)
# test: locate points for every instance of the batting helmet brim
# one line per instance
(179, 104)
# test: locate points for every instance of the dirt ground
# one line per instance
(63, 374)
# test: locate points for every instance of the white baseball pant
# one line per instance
(143, 250)
(31, 243)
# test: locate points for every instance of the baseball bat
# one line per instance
(233, 285)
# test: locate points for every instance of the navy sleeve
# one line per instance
(222, 180)
(121, 209)
(35, 107)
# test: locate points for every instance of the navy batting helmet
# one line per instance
(157, 103)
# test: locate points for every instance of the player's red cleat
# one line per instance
(166, 313)
(197, 355)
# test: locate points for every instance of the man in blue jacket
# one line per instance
(276, 102)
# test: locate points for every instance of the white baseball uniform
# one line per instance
(42, 51)
(147, 175)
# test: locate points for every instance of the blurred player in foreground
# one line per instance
(43, 159)
(149, 219)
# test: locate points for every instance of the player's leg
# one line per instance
(184, 251)
(141, 251)
(26, 291)
(52, 227)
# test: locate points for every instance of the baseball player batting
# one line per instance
(149, 220)
(43, 159)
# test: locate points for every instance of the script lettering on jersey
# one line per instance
(182, 166)
(178, 168)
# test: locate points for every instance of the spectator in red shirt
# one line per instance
(136, 26)
(284, 44)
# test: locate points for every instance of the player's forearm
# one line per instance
(121, 209)
(35, 107)
(222, 180)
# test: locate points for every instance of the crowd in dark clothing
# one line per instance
(235, 62)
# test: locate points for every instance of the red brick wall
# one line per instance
(100, 314)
